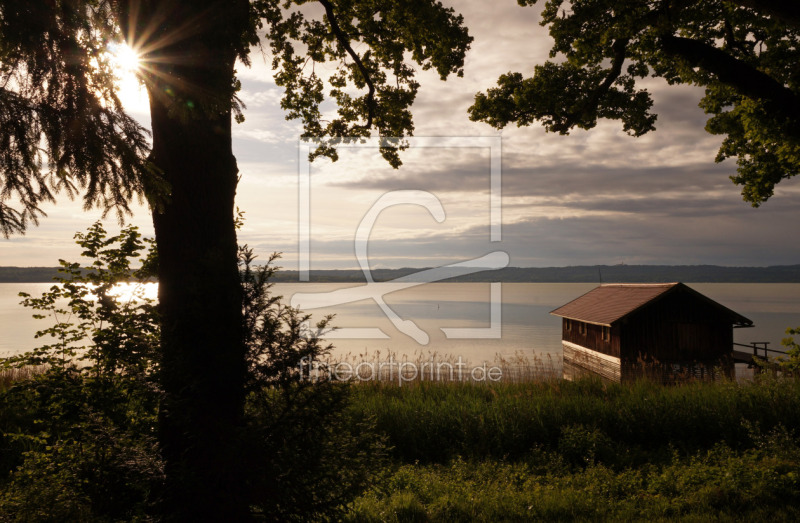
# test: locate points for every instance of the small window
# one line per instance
(606, 333)
(568, 325)
(582, 328)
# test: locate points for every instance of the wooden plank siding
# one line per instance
(580, 360)
(676, 329)
(592, 337)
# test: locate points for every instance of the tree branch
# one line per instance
(619, 48)
(589, 105)
(345, 42)
(788, 12)
(743, 77)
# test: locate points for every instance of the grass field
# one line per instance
(564, 451)
(556, 450)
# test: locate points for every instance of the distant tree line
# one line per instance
(27, 274)
(583, 274)
(575, 274)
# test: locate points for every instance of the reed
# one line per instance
(11, 375)
(430, 366)
(436, 422)
(719, 485)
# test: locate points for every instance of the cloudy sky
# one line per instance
(597, 197)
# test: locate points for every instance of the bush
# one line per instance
(759, 484)
(79, 441)
(305, 459)
(79, 434)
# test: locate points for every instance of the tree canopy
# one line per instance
(745, 53)
(62, 127)
(373, 90)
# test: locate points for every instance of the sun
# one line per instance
(126, 60)
(127, 65)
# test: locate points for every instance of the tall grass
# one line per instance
(621, 424)
(585, 451)
(430, 366)
(8, 376)
(718, 485)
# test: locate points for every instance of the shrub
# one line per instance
(79, 438)
(79, 433)
(305, 459)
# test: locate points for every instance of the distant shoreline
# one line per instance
(575, 274)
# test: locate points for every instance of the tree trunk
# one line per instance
(200, 306)
(202, 374)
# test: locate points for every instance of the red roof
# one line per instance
(611, 302)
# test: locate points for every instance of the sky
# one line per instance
(593, 197)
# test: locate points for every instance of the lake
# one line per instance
(525, 325)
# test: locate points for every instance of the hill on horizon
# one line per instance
(572, 274)
(578, 274)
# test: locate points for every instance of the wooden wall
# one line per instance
(593, 337)
(578, 361)
(678, 328)
(673, 373)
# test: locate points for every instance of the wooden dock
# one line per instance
(742, 357)
(757, 349)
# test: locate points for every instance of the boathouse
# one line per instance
(666, 331)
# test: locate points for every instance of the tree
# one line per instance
(62, 127)
(56, 81)
(746, 53)
(307, 456)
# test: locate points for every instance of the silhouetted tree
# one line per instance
(744, 52)
(56, 90)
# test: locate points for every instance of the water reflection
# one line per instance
(128, 292)
(526, 327)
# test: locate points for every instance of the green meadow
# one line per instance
(550, 450)
(586, 450)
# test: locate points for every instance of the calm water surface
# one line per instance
(526, 325)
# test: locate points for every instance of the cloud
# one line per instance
(595, 196)
(630, 237)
